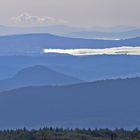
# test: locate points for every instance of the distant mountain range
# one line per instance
(116, 32)
(105, 35)
(119, 28)
(35, 76)
(33, 44)
(61, 29)
(108, 103)
(39, 89)
(54, 29)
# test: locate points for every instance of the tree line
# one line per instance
(69, 134)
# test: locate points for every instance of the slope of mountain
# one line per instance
(37, 75)
(53, 29)
(109, 103)
(105, 35)
(118, 28)
(31, 44)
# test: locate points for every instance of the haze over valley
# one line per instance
(45, 63)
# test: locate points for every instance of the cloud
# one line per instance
(108, 51)
(29, 18)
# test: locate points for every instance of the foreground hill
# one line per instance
(32, 44)
(109, 103)
(37, 75)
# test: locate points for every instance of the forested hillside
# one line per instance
(107, 103)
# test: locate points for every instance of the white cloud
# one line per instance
(29, 18)
(108, 51)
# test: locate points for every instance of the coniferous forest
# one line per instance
(69, 134)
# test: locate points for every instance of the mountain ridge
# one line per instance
(97, 104)
(34, 44)
(37, 75)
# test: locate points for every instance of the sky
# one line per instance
(82, 13)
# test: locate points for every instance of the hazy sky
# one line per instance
(71, 12)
